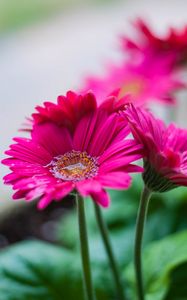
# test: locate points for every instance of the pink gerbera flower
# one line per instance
(152, 72)
(147, 44)
(67, 111)
(142, 82)
(165, 150)
(88, 155)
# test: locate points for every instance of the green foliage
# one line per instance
(165, 266)
(36, 270)
(167, 215)
(178, 280)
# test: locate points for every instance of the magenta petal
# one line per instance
(112, 165)
(115, 180)
(8, 179)
(26, 182)
(62, 190)
(57, 193)
(86, 187)
(93, 188)
(121, 149)
(29, 147)
(8, 161)
(44, 202)
(19, 194)
(36, 192)
(54, 139)
(84, 131)
(104, 136)
(30, 152)
(102, 198)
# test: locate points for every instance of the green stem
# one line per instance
(87, 279)
(141, 217)
(108, 247)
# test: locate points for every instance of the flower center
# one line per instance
(74, 166)
(134, 87)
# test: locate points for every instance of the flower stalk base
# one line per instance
(142, 213)
(87, 278)
(155, 181)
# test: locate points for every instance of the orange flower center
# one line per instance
(74, 166)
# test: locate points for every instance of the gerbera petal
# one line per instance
(115, 180)
(102, 198)
(57, 194)
(94, 189)
(62, 190)
(84, 131)
(27, 145)
(86, 187)
(28, 151)
(104, 136)
(19, 194)
(44, 201)
(120, 149)
(52, 138)
(114, 164)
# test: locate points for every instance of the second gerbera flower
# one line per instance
(165, 150)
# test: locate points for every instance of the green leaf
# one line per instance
(38, 270)
(160, 262)
(178, 287)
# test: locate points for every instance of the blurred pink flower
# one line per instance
(151, 71)
(79, 147)
(147, 45)
(165, 149)
(137, 83)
